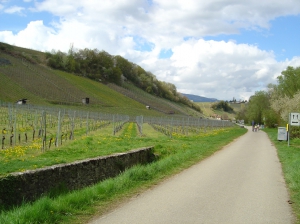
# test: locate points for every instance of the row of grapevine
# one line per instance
(185, 125)
(51, 126)
(25, 124)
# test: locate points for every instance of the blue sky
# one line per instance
(218, 49)
(282, 37)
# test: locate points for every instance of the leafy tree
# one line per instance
(257, 105)
(285, 105)
(113, 75)
(222, 105)
(241, 115)
(105, 60)
(56, 60)
(126, 67)
(271, 118)
(289, 81)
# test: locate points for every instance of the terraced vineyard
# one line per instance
(155, 103)
(42, 86)
(41, 82)
(24, 75)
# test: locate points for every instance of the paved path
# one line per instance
(242, 183)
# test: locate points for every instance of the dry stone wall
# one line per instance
(32, 184)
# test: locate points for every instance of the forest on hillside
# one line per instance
(103, 67)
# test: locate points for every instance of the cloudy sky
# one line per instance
(217, 48)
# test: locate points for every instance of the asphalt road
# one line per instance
(242, 183)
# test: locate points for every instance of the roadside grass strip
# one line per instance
(174, 155)
(289, 157)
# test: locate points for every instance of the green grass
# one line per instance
(289, 157)
(79, 206)
(98, 143)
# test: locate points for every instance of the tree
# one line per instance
(222, 105)
(241, 115)
(113, 75)
(285, 105)
(56, 60)
(126, 67)
(289, 81)
(257, 105)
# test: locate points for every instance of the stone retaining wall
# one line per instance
(31, 184)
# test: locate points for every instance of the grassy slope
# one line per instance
(11, 92)
(44, 86)
(19, 81)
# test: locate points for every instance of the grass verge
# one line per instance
(79, 206)
(289, 157)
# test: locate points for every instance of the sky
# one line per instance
(221, 49)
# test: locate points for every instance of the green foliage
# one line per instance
(224, 106)
(289, 81)
(294, 132)
(258, 104)
(56, 61)
(241, 115)
(5, 47)
(271, 118)
(126, 67)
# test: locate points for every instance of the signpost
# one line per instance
(294, 120)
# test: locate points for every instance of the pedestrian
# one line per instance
(253, 123)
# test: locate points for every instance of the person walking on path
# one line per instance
(239, 184)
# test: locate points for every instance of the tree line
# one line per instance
(101, 66)
(272, 107)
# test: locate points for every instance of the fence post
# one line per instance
(58, 130)
(43, 125)
(87, 123)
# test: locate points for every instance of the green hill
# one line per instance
(24, 75)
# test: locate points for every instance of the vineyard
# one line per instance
(26, 128)
(41, 81)
(49, 126)
(63, 129)
(21, 79)
(24, 124)
(155, 103)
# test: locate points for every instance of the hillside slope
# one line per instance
(22, 77)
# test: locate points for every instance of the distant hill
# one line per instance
(196, 98)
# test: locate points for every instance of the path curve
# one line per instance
(242, 183)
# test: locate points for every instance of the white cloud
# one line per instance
(208, 68)
(221, 70)
(14, 9)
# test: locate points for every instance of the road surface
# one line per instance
(242, 183)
